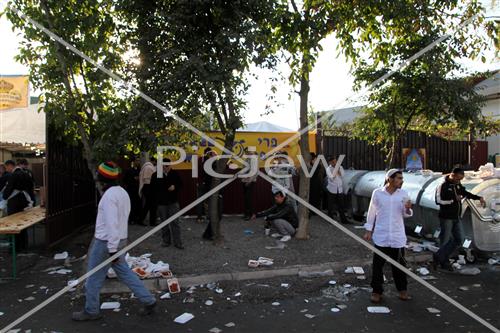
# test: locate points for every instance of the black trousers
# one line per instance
(172, 230)
(336, 202)
(399, 276)
(247, 198)
(149, 205)
(135, 206)
(15, 205)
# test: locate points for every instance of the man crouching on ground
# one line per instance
(389, 205)
(282, 217)
(110, 236)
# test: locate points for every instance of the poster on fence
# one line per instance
(414, 158)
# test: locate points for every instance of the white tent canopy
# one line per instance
(264, 126)
(24, 125)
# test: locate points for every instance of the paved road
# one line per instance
(253, 310)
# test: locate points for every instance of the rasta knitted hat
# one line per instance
(109, 170)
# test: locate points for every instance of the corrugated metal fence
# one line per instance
(441, 154)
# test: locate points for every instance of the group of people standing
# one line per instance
(154, 195)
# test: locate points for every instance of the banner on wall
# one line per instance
(263, 142)
(14, 91)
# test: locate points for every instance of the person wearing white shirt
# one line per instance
(335, 189)
(110, 235)
(384, 225)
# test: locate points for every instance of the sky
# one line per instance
(330, 81)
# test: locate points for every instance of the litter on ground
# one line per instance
(184, 318)
(61, 256)
(335, 309)
(378, 309)
(165, 296)
(110, 305)
(215, 330)
(433, 310)
(423, 271)
(231, 324)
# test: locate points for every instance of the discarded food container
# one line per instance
(139, 271)
(61, 256)
(358, 270)
(173, 285)
(167, 274)
(110, 305)
(378, 309)
(184, 318)
(253, 263)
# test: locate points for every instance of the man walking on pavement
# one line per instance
(449, 197)
(166, 193)
(146, 193)
(110, 235)
(384, 225)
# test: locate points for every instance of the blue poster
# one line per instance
(414, 161)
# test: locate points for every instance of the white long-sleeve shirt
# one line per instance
(335, 183)
(386, 213)
(112, 217)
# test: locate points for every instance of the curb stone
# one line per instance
(315, 270)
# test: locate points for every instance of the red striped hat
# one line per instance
(109, 170)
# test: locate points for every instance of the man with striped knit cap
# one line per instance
(110, 236)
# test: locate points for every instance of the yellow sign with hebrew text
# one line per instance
(14, 91)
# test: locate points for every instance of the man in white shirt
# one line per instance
(335, 189)
(111, 235)
(384, 225)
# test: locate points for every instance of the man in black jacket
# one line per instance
(281, 216)
(449, 197)
(166, 190)
(9, 168)
(19, 191)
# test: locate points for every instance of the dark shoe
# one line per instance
(165, 244)
(403, 295)
(84, 316)
(179, 246)
(375, 298)
(147, 310)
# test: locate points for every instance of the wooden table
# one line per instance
(12, 225)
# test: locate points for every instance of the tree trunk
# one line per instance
(214, 203)
(303, 212)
